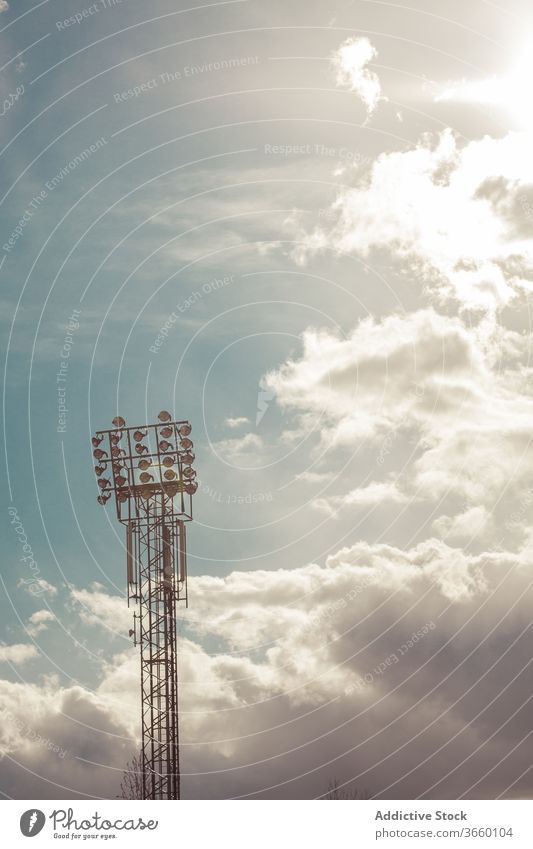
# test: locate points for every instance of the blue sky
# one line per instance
(307, 230)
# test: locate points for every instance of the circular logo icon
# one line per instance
(32, 822)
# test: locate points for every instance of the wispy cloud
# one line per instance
(96, 607)
(350, 64)
(373, 494)
(236, 422)
(245, 449)
(39, 622)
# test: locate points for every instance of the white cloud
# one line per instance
(275, 608)
(236, 422)
(283, 613)
(39, 621)
(428, 380)
(457, 217)
(315, 477)
(457, 575)
(308, 655)
(300, 653)
(97, 607)
(242, 450)
(465, 526)
(381, 374)
(17, 653)
(373, 494)
(60, 742)
(350, 64)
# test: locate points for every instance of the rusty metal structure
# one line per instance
(148, 470)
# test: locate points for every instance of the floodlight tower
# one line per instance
(149, 470)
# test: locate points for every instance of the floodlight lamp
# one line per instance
(145, 477)
(168, 461)
(118, 452)
(189, 473)
(166, 432)
(122, 498)
(139, 434)
(115, 438)
(141, 449)
(144, 464)
(164, 416)
(170, 474)
(120, 480)
(164, 445)
(118, 421)
(98, 453)
(100, 470)
(103, 499)
(184, 429)
(96, 440)
(103, 483)
(190, 488)
(188, 458)
(186, 444)
(172, 489)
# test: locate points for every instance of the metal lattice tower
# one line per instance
(149, 470)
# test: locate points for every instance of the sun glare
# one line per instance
(511, 92)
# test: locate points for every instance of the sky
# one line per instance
(307, 229)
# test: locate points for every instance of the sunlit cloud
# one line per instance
(350, 64)
(458, 216)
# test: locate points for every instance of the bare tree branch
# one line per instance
(131, 786)
(337, 792)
